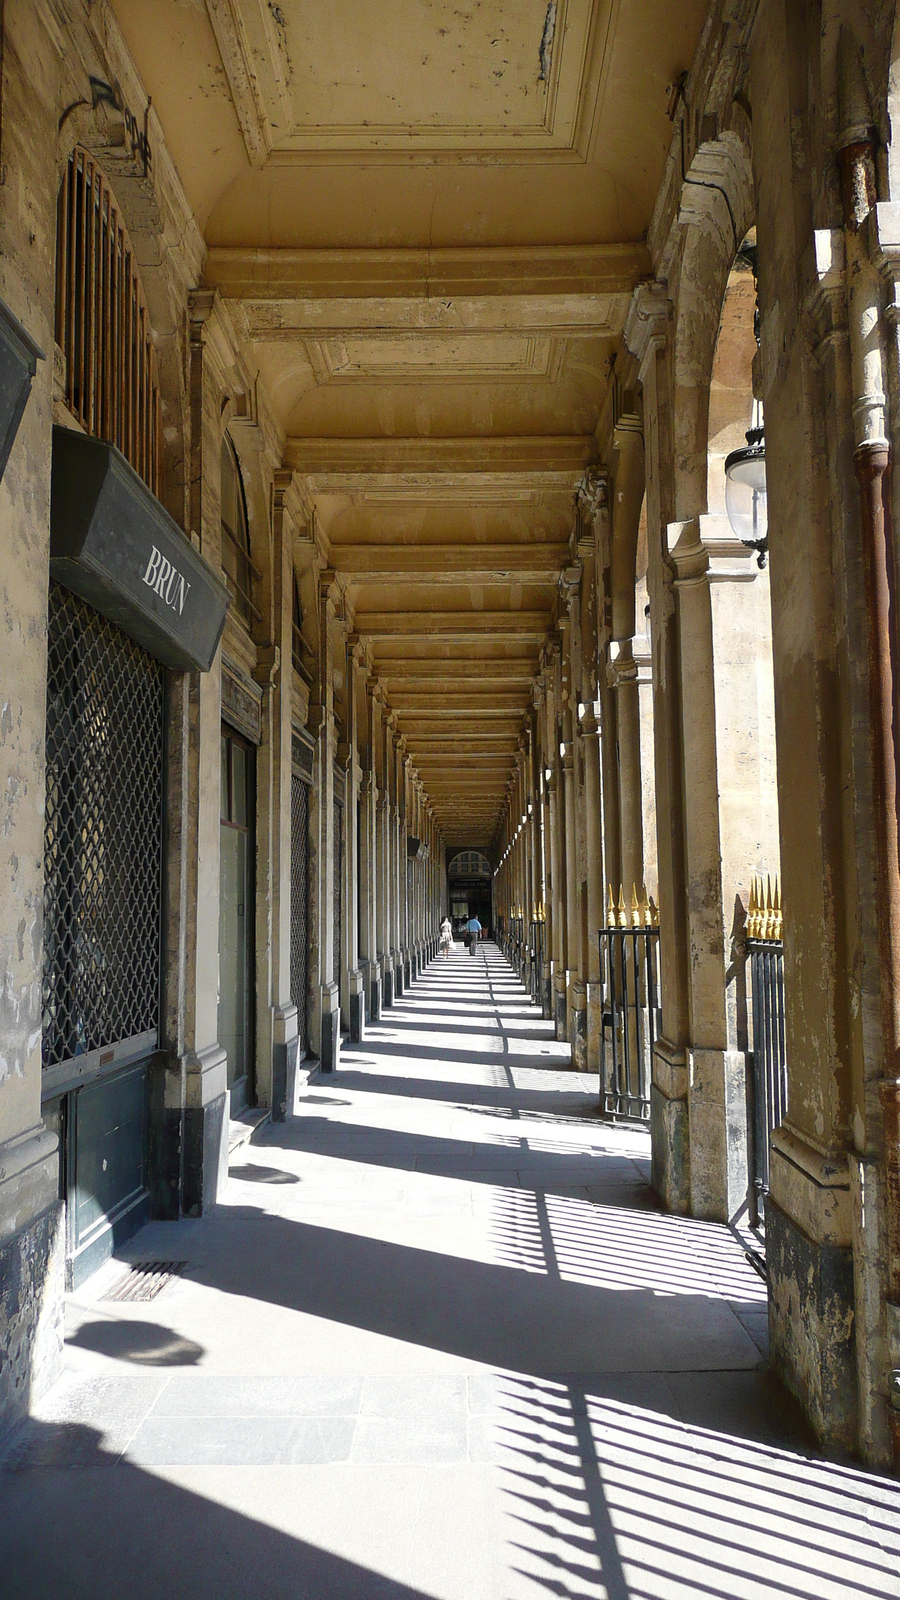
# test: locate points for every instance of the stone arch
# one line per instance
(717, 212)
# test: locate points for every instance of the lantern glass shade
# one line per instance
(745, 492)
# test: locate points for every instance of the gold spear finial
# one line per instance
(767, 925)
(610, 907)
(635, 907)
(622, 918)
(777, 915)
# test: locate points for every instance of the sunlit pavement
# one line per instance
(437, 1342)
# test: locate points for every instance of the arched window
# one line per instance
(102, 325)
(468, 864)
(239, 569)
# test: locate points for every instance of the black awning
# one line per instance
(115, 545)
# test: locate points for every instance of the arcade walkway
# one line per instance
(436, 1343)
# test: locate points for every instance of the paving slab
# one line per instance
(437, 1342)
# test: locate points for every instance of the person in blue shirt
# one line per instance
(473, 929)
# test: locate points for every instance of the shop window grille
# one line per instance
(300, 905)
(338, 885)
(103, 836)
(102, 324)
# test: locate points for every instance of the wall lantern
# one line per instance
(562, 748)
(548, 774)
(745, 489)
(745, 469)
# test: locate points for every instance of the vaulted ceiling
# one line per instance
(426, 217)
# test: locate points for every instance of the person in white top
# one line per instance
(446, 936)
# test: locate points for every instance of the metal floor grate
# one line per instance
(144, 1280)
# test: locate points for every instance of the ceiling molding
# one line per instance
(340, 465)
(557, 274)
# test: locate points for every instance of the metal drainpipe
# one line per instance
(872, 457)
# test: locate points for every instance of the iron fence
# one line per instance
(769, 1080)
(631, 1018)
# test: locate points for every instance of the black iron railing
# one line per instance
(629, 975)
(769, 1080)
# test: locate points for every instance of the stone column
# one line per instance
(623, 677)
(356, 850)
(196, 1070)
(558, 881)
(575, 998)
(398, 853)
(284, 1012)
(576, 842)
(325, 1029)
(385, 964)
(369, 863)
(646, 335)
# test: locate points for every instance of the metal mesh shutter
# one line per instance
(338, 885)
(300, 905)
(102, 833)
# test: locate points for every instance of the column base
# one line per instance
(407, 969)
(32, 1271)
(811, 1290)
(205, 1153)
(717, 1099)
(547, 994)
(32, 1330)
(387, 984)
(373, 991)
(330, 1039)
(594, 1026)
(670, 1141)
(356, 997)
(398, 976)
(285, 1050)
(577, 1004)
(559, 1007)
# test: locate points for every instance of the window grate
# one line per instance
(102, 833)
(300, 905)
(102, 325)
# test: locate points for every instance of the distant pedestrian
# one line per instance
(446, 936)
(473, 929)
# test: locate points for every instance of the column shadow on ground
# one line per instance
(111, 1531)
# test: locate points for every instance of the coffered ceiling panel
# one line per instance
(519, 76)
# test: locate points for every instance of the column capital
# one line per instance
(647, 322)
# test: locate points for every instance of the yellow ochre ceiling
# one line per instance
(426, 218)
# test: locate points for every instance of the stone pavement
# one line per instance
(437, 1344)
